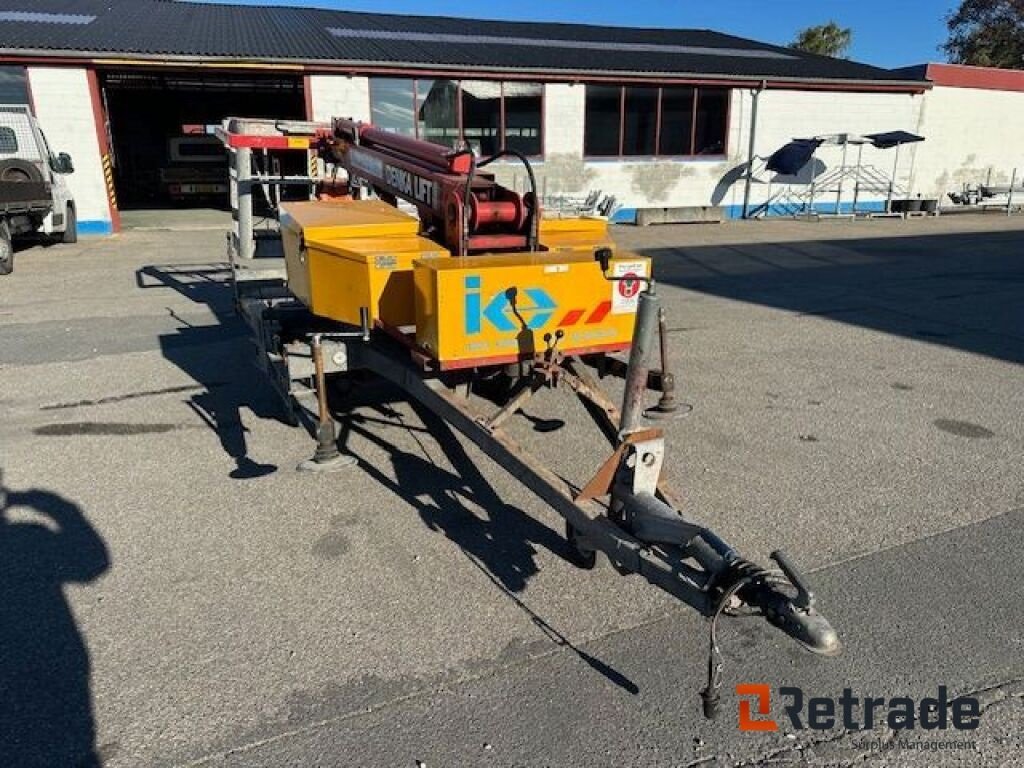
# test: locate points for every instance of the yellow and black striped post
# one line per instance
(108, 175)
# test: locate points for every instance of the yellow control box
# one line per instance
(492, 309)
(342, 256)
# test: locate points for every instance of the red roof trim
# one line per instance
(986, 78)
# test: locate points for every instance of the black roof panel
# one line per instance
(197, 30)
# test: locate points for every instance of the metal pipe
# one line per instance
(814, 181)
(842, 175)
(892, 181)
(243, 181)
(750, 148)
(326, 439)
(856, 177)
(667, 407)
(644, 335)
(1009, 197)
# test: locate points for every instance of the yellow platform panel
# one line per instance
(574, 234)
(485, 310)
(342, 256)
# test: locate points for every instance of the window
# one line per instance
(481, 115)
(677, 121)
(13, 85)
(8, 141)
(712, 107)
(522, 117)
(437, 116)
(603, 120)
(642, 121)
(488, 115)
(393, 106)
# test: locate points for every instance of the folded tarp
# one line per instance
(893, 139)
(793, 156)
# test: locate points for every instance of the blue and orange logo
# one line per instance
(508, 312)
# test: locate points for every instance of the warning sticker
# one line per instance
(625, 292)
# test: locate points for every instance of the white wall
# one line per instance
(64, 109)
(563, 119)
(782, 116)
(340, 96)
(786, 115)
(967, 132)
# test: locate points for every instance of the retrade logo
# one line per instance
(855, 713)
(762, 696)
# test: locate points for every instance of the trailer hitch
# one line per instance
(723, 580)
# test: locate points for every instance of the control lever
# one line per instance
(552, 342)
(603, 256)
(804, 597)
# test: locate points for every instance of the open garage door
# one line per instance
(159, 122)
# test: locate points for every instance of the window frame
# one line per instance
(459, 123)
(6, 130)
(658, 155)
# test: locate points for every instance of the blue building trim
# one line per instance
(95, 227)
(628, 215)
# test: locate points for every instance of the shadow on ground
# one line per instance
(501, 540)
(960, 290)
(219, 357)
(46, 716)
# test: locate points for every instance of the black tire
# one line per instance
(19, 170)
(579, 555)
(6, 250)
(70, 226)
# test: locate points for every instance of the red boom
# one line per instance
(436, 180)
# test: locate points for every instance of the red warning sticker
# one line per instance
(625, 291)
(628, 288)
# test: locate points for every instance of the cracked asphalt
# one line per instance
(173, 593)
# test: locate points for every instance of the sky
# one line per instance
(886, 33)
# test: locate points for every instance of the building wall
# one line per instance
(785, 115)
(967, 130)
(971, 135)
(782, 116)
(340, 96)
(63, 105)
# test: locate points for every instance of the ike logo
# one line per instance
(513, 309)
(505, 310)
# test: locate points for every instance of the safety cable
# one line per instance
(747, 573)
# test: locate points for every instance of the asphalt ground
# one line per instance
(173, 593)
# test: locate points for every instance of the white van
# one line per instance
(34, 195)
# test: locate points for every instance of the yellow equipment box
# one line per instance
(574, 234)
(493, 309)
(479, 310)
(342, 256)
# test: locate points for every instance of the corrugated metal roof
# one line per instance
(201, 31)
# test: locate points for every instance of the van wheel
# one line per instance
(70, 226)
(6, 250)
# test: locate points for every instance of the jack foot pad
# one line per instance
(337, 462)
(662, 413)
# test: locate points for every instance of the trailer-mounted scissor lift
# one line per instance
(476, 288)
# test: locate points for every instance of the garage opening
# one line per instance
(164, 154)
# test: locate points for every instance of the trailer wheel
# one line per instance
(6, 250)
(70, 226)
(580, 555)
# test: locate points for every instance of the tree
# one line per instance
(987, 33)
(825, 40)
